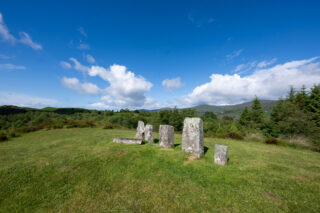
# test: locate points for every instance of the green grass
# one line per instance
(81, 170)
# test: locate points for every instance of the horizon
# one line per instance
(153, 55)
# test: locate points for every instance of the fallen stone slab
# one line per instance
(148, 133)
(220, 154)
(140, 130)
(127, 140)
(192, 136)
(166, 136)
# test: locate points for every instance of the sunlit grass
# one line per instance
(81, 170)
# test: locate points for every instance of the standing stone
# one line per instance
(148, 133)
(192, 136)
(166, 136)
(220, 154)
(140, 130)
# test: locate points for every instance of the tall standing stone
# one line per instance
(140, 130)
(148, 133)
(166, 136)
(192, 136)
(220, 154)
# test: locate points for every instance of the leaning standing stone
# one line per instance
(220, 154)
(140, 130)
(148, 133)
(166, 136)
(192, 136)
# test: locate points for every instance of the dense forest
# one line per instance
(294, 120)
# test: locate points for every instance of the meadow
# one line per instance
(81, 170)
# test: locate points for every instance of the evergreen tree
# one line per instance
(314, 103)
(256, 113)
(291, 95)
(244, 117)
(301, 99)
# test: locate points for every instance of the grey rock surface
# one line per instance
(220, 154)
(192, 136)
(166, 136)
(127, 140)
(148, 133)
(140, 130)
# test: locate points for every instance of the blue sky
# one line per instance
(150, 54)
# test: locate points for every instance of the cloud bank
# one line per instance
(270, 83)
(7, 98)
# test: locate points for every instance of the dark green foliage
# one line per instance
(234, 135)
(272, 141)
(244, 117)
(209, 115)
(314, 104)
(109, 126)
(253, 118)
(3, 137)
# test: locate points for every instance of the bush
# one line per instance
(3, 137)
(108, 126)
(272, 141)
(12, 134)
(234, 135)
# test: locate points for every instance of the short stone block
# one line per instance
(127, 140)
(220, 154)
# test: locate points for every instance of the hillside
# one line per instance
(229, 110)
(81, 170)
(234, 110)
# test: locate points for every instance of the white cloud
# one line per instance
(11, 67)
(82, 32)
(4, 31)
(172, 84)
(242, 68)
(266, 63)
(90, 58)
(26, 39)
(270, 83)
(83, 46)
(65, 65)
(78, 66)
(5, 57)
(124, 90)
(84, 88)
(234, 54)
(7, 98)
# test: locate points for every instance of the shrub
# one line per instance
(108, 126)
(234, 135)
(3, 137)
(12, 134)
(272, 141)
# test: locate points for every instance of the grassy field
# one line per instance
(81, 170)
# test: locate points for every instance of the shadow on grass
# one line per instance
(175, 145)
(205, 149)
(156, 140)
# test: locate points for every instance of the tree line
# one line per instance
(296, 116)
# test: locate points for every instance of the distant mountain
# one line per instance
(234, 110)
(227, 110)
